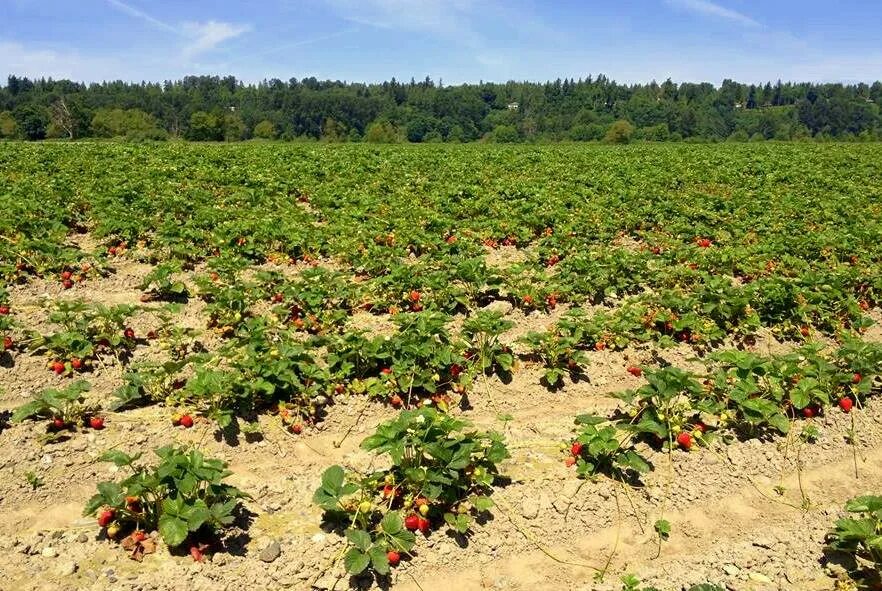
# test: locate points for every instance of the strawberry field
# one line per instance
(417, 367)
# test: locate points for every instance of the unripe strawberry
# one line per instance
(569, 461)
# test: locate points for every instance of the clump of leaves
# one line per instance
(605, 449)
(860, 537)
(183, 496)
(440, 473)
(160, 283)
(65, 407)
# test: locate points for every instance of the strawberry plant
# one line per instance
(183, 496)
(440, 473)
(558, 350)
(859, 536)
(160, 283)
(486, 353)
(65, 408)
(603, 447)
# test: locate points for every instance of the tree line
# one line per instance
(213, 108)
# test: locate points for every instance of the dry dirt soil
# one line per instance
(549, 531)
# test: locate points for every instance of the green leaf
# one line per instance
(359, 538)
(663, 529)
(392, 523)
(173, 530)
(356, 561)
(379, 560)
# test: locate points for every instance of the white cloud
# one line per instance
(208, 35)
(707, 8)
(132, 11)
(200, 37)
(440, 17)
(16, 58)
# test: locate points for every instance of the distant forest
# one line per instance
(211, 108)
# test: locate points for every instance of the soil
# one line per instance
(730, 526)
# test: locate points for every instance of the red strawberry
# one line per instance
(856, 378)
(76, 362)
(396, 401)
(635, 371)
(528, 300)
(67, 284)
(684, 439)
(186, 421)
(129, 333)
(576, 449)
(412, 522)
(278, 298)
(139, 536)
(105, 517)
(599, 346)
(808, 412)
(551, 300)
(7, 343)
(58, 423)
(4, 310)
(96, 423)
(415, 296)
(455, 370)
(66, 275)
(424, 525)
(388, 491)
(58, 367)
(385, 371)
(703, 242)
(393, 557)
(112, 251)
(196, 554)
(846, 404)
(297, 428)
(805, 331)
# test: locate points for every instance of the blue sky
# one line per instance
(454, 40)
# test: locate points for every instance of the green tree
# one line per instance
(381, 132)
(8, 126)
(234, 128)
(265, 130)
(619, 132)
(205, 127)
(505, 134)
(32, 121)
